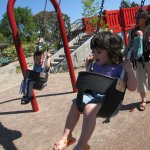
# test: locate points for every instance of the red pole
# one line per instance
(123, 21)
(18, 45)
(65, 43)
(125, 36)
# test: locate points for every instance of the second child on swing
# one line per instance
(27, 83)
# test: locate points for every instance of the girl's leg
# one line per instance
(89, 122)
(72, 119)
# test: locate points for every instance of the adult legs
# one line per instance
(143, 103)
(147, 75)
(88, 126)
(141, 75)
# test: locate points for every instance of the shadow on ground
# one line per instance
(131, 106)
(7, 136)
(45, 95)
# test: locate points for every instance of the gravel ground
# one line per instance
(23, 129)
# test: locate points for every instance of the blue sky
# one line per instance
(73, 8)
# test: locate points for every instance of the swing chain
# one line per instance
(139, 12)
(41, 27)
(142, 3)
(101, 8)
(100, 16)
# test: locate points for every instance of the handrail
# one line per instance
(75, 29)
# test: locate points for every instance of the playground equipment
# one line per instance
(19, 49)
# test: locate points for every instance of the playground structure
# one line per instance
(118, 20)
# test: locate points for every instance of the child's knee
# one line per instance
(92, 109)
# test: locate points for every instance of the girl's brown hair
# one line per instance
(110, 42)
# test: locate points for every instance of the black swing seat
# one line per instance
(40, 78)
(89, 81)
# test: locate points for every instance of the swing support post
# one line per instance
(18, 46)
(65, 43)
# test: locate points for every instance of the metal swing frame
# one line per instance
(19, 49)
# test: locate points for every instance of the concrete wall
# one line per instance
(61, 51)
(78, 57)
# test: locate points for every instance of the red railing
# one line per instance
(113, 20)
(118, 20)
(91, 24)
(128, 16)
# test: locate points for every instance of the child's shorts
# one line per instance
(89, 97)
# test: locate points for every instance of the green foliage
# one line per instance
(29, 27)
(48, 26)
(133, 4)
(25, 23)
(18, 69)
(4, 61)
(11, 53)
(1, 37)
(5, 28)
(90, 8)
(127, 4)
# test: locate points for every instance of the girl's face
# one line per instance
(101, 56)
(39, 60)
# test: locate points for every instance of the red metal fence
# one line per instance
(121, 20)
(113, 20)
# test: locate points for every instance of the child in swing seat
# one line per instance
(39, 66)
(106, 51)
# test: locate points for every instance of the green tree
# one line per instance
(1, 38)
(48, 26)
(90, 11)
(25, 23)
(127, 4)
(90, 8)
(133, 4)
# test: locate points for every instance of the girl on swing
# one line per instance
(106, 51)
